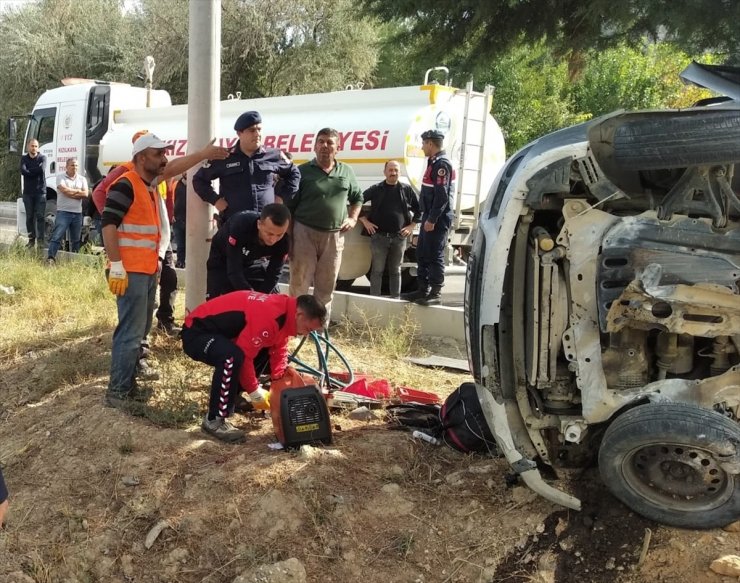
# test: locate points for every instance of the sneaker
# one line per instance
(145, 371)
(220, 428)
(51, 262)
(169, 328)
(31, 244)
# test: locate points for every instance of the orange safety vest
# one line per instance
(139, 232)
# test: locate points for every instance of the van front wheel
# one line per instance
(674, 463)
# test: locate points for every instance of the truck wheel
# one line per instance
(408, 281)
(344, 285)
(669, 462)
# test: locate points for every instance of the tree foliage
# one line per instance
(627, 77)
(627, 54)
(481, 30)
(532, 94)
(268, 47)
(36, 55)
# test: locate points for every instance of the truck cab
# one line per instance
(70, 122)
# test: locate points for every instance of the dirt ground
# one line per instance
(89, 483)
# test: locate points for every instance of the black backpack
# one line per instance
(460, 422)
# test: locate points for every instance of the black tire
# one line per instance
(663, 460)
(408, 282)
(344, 285)
(670, 139)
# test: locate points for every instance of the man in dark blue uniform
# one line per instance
(436, 201)
(248, 252)
(247, 176)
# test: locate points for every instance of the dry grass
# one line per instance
(59, 321)
(58, 357)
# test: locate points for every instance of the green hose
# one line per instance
(324, 348)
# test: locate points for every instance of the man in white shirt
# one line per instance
(71, 191)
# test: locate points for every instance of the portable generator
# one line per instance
(299, 412)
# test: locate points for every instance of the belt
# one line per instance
(386, 234)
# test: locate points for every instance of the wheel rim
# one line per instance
(678, 476)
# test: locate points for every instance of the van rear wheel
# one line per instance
(675, 464)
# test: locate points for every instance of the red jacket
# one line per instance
(101, 190)
(253, 321)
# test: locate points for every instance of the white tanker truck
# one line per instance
(93, 121)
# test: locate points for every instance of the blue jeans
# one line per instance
(35, 205)
(66, 220)
(135, 309)
(386, 248)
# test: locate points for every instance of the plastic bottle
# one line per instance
(426, 437)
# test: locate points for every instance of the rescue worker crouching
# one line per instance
(436, 202)
(248, 252)
(243, 334)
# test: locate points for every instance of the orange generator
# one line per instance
(299, 412)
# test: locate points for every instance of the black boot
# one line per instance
(421, 291)
(433, 298)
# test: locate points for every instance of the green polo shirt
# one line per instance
(322, 199)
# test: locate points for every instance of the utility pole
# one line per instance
(204, 97)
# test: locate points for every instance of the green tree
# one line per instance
(628, 77)
(483, 29)
(269, 47)
(532, 94)
(47, 41)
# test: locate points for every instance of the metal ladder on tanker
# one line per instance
(470, 168)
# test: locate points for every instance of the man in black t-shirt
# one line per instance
(248, 252)
(392, 217)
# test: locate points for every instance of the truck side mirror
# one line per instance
(12, 135)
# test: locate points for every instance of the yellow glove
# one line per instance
(260, 399)
(117, 278)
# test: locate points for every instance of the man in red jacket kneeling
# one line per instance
(240, 334)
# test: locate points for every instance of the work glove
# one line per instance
(117, 278)
(260, 399)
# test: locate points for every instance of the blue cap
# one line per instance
(432, 135)
(246, 120)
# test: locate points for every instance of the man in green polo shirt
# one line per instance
(325, 207)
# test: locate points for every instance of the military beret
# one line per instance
(246, 120)
(432, 135)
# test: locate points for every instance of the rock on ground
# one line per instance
(727, 565)
(290, 571)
